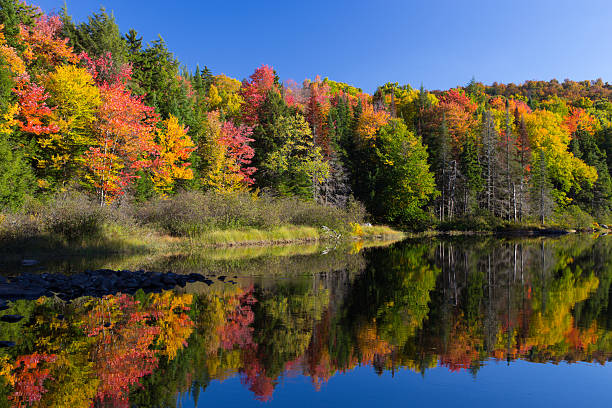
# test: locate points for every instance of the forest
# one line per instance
(86, 108)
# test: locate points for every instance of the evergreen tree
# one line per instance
(541, 187)
(98, 36)
(471, 172)
(597, 199)
(16, 177)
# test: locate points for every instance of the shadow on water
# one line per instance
(454, 303)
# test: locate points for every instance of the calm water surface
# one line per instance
(463, 321)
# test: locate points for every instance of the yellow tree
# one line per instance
(549, 136)
(175, 148)
(223, 171)
(73, 92)
(370, 121)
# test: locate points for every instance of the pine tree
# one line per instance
(541, 187)
(16, 178)
(98, 36)
(471, 172)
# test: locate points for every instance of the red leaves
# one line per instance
(579, 119)
(125, 141)
(237, 330)
(43, 44)
(103, 70)
(458, 110)
(29, 377)
(254, 92)
(236, 139)
(36, 115)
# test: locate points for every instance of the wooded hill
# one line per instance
(84, 106)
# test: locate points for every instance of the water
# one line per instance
(462, 321)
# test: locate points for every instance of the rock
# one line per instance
(11, 318)
(7, 343)
(169, 280)
(12, 291)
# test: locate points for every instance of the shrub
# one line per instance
(192, 213)
(74, 216)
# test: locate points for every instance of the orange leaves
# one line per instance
(27, 377)
(175, 148)
(579, 119)
(124, 143)
(459, 111)
(42, 42)
(35, 116)
(370, 121)
(9, 55)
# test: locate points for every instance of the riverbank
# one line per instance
(72, 222)
(115, 238)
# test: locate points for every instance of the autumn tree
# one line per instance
(175, 148)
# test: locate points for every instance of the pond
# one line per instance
(462, 321)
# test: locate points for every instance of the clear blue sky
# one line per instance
(440, 43)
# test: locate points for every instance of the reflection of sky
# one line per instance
(521, 385)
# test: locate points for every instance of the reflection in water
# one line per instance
(410, 306)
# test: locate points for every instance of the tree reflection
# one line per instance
(415, 306)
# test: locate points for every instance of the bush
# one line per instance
(471, 223)
(573, 217)
(192, 213)
(19, 227)
(74, 216)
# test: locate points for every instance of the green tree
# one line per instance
(471, 173)
(403, 183)
(16, 178)
(296, 165)
(98, 36)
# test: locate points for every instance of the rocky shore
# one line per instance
(94, 283)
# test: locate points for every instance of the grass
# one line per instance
(253, 236)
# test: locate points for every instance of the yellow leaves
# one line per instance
(370, 121)
(9, 55)
(11, 58)
(6, 370)
(224, 95)
(77, 98)
(175, 147)
(549, 135)
(356, 229)
(8, 120)
(175, 326)
(214, 100)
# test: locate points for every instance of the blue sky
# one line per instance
(440, 43)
